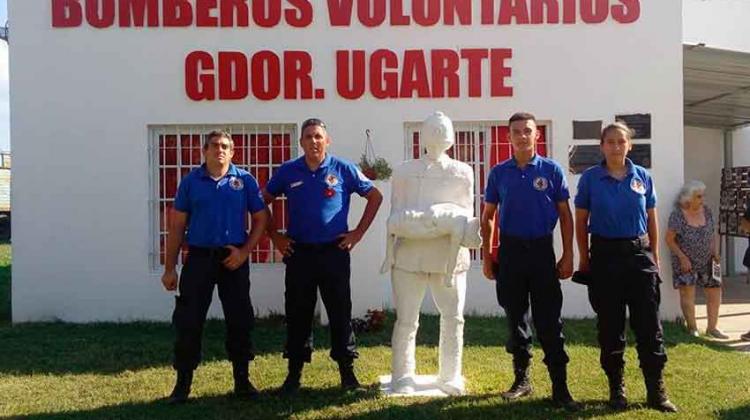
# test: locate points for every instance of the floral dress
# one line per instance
(695, 242)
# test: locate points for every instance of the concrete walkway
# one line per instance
(734, 314)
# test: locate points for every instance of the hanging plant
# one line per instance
(374, 167)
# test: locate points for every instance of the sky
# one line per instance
(4, 100)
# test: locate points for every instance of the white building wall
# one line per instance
(82, 100)
(717, 23)
(704, 159)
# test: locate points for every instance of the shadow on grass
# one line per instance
(488, 407)
(738, 413)
(111, 348)
(266, 406)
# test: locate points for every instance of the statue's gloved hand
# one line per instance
(411, 215)
(472, 237)
(448, 211)
(413, 224)
(449, 280)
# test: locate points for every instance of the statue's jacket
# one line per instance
(419, 184)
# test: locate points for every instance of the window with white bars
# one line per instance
(482, 145)
(177, 149)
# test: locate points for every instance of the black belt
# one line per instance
(218, 252)
(304, 246)
(622, 244)
(517, 240)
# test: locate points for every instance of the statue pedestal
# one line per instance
(425, 386)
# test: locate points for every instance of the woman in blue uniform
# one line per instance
(616, 205)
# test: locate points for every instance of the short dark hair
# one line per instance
(617, 125)
(522, 116)
(217, 133)
(311, 122)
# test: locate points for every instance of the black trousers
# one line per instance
(625, 276)
(309, 268)
(202, 270)
(527, 273)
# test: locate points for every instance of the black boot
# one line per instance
(181, 389)
(349, 381)
(560, 394)
(522, 385)
(617, 398)
(656, 393)
(243, 388)
(292, 382)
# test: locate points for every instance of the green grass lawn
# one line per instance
(107, 371)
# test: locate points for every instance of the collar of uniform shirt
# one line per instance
(303, 164)
(532, 162)
(603, 173)
(231, 171)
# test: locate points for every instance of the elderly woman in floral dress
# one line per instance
(692, 238)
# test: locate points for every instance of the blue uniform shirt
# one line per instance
(217, 210)
(527, 198)
(318, 200)
(617, 209)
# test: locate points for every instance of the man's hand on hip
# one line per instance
(349, 240)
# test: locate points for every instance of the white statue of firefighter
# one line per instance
(430, 227)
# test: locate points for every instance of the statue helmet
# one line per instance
(437, 132)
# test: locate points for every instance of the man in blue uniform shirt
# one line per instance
(316, 248)
(530, 193)
(213, 202)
